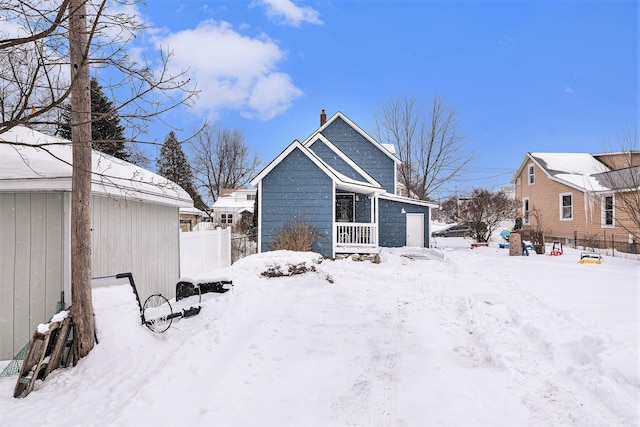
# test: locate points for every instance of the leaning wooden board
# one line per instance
(45, 353)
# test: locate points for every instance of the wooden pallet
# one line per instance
(46, 352)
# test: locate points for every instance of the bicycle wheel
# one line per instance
(157, 313)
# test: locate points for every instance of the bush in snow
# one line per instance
(296, 235)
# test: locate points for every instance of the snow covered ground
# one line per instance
(448, 336)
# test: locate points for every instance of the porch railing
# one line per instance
(356, 234)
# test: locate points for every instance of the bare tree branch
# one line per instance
(221, 159)
(429, 143)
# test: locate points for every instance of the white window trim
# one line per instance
(531, 175)
(603, 215)
(526, 219)
(561, 207)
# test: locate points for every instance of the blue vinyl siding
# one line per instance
(336, 162)
(362, 152)
(297, 188)
(363, 208)
(393, 223)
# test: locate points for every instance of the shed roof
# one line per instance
(31, 161)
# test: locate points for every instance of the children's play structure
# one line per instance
(590, 258)
(556, 249)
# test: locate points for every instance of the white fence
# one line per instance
(202, 252)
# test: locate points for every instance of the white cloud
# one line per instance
(286, 12)
(568, 89)
(263, 104)
(232, 71)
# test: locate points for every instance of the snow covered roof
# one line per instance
(233, 203)
(191, 211)
(397, 198)
(31, 160)
(578, 170)
(236, 199)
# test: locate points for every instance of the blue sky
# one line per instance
(523, 76)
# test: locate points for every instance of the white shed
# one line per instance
(135, 228)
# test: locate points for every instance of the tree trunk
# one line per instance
(82, 307)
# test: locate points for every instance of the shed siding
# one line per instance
(31, 265)
(393, 223)
(369, 157)
(136, 237)
(297, 188)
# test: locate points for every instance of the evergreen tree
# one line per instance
(106, 132)
(173, 165)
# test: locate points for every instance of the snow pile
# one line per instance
(452, 336)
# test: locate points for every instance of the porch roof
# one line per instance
(408, 200)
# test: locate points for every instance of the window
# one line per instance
(344, 207)
(525, 211)
(566, 206)
(532, 176)
(251, 196)
(226, 218)
(608, 210)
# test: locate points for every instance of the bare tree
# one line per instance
(484, 211)
(624, 182)
(429, 143)
(47, 49)
(221, 159)
(449, 209)
(34, 75)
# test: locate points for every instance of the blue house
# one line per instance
(343, 182)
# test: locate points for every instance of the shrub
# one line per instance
(296, 235)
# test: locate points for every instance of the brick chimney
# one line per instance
(323, 118)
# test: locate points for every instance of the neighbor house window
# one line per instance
(525, 211)
(608, 206)
(566, 206)
(251, 196)
(226, 218)
(532, 176)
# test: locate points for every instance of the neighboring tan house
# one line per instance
(574, 195)
(134, 228)
(233, 207)
(190, 217)
(344, 183)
